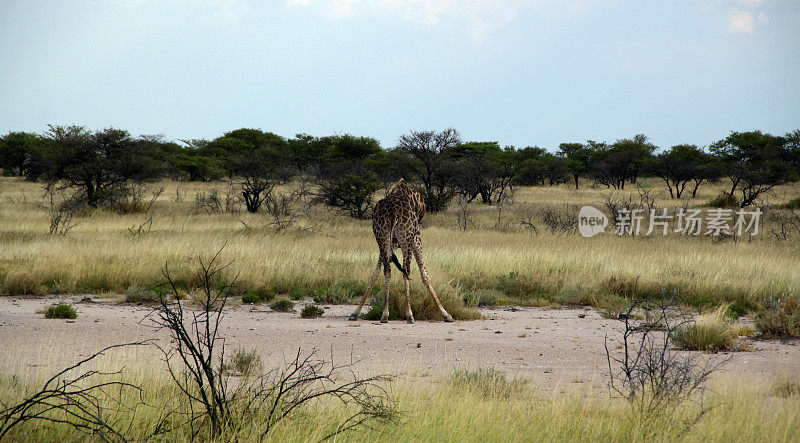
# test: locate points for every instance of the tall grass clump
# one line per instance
(488, 382)
(282, 305)
(780, 318)
(312, 311)
(243, 362)
(709, 332)
(422, 304)
(786, 384)
(61, 310)
(22, 282)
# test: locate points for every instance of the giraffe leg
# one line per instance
(426, 281)
(387, 273)
(372, 280)
(407, 267)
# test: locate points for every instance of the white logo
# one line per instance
(591, 221)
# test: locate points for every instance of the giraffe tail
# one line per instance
(399, 266)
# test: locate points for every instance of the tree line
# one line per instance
(101, 167)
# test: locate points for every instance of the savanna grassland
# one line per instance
(499, 259)
(323, 253)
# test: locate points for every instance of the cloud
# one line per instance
(741, 22)
(477, 17)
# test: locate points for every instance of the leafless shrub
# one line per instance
(61, 209)
(196, 361)
(286, 207)
(786, 225)
(528, 220)
(208, 202)
(648, 371)
(646, 200)
(147, 216)
(504, 203)
(559, 221)
(231, 200)
(75, 397)
(463, 214)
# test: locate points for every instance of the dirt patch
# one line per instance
(555, 348)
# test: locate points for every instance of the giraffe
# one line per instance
(395, 223)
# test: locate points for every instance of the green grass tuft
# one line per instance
(61, 310)
(282, 305)
(488, 382)
(711, 332)
(780, 319)
(312, 311)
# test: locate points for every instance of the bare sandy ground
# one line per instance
(554, 348)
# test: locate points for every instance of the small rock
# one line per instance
(582, 315)
(498, 332)
(419, 345)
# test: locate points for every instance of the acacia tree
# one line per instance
(481, 170)
(346, 178)
(252, 159)
(623, 161)
(18, 153)
(427, 155)
(755, 163)
(578, 159)
(100, 165)
(680, 165)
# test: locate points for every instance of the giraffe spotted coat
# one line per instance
(395, 223)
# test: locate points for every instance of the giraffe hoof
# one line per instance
(410, 320)
(448, 318)
(353, 317)
(384, 320)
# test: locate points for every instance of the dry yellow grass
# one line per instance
(100, 255)
(440, 410)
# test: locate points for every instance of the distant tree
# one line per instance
(427, 154)
(253, 158)
(556, 169)
(480, 170)
(19, 152)
(531, 166)
(102, 165)
(579, 159)
(680, 165)
(755, 163)
(623, 161)
(351, 190)
(346, 175)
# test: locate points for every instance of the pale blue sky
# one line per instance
(521, 72)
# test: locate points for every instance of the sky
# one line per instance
(519, 72)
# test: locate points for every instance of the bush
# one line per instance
(421, 304)
(282, 305)
(249, 297)
(723, 201)
(243, 363)
(61, 310)
(780, 319)
(487, 382)
(312, 311)
(709, 332)
(21, 283)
